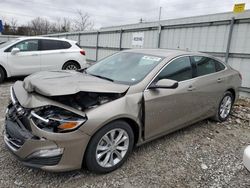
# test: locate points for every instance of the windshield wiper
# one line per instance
(102, 77)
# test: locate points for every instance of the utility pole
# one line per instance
(159, 29)
(160, 14)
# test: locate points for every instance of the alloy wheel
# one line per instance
(71, 67)
(225, 106)
(112, 148)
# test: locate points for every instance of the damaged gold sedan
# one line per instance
(63, 120)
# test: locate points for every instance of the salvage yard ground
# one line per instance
(206, 154)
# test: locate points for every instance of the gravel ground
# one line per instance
(206, 154)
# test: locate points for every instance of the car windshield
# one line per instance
(2, 45)
(125, 67)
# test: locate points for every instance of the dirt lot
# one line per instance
(207, 154)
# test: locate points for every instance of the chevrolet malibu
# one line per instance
(63, 120)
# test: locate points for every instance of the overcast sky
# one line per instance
(112, 12)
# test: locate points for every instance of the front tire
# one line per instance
(2, 75)
(109, 147)
(225, 107)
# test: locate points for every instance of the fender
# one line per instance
(6, 69)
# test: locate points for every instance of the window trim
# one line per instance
(39, 45)
(189, 55)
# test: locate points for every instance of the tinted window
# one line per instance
(207, 65)
(179, 70)
(26, 46)
(219, 66)
(54, 45)
(65, 44)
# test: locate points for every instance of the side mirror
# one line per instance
(15, 51)
(164, 84)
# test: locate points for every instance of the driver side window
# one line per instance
(26, 46)
(179, 70)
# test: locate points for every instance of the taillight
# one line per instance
(82, 52)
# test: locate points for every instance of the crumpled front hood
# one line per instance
(56, 83)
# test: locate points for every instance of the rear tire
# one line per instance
(2, 75)
(225, 107)
(71, 65)
(109, 147)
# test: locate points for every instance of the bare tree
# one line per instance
(82, 22)
(61, 25)
(66, 25)
(13, 25)
(39, 26)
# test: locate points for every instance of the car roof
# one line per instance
(50, 38)
(165, 52)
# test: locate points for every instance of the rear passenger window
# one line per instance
(179, 70)
(219, 66)
(204, 65)
(65, 44)
(54, 45)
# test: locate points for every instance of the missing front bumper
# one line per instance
(24, 139)
(15, 137)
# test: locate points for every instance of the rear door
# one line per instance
(27, 61)
(53, 54)
(209, 83)
(170, 109)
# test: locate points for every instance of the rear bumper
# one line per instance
(246, 158)
(39, 149)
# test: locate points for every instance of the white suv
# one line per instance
(24, 56)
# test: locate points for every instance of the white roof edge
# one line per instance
(41, 37)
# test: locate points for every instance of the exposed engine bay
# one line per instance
(86, 100)
(55, 119)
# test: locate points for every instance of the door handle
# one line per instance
(34, 54)
(191, 88)
(219, 80)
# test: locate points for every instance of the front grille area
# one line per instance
(45, 161)
(15, 135)
(16, 132)
(19, 114)
(12, 142)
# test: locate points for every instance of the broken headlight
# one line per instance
(55, 119)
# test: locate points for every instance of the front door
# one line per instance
(27, 61)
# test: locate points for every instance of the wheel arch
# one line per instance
(134, 126)
(5, 71)
(132, 123)
(233, 93)
(71, 61)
